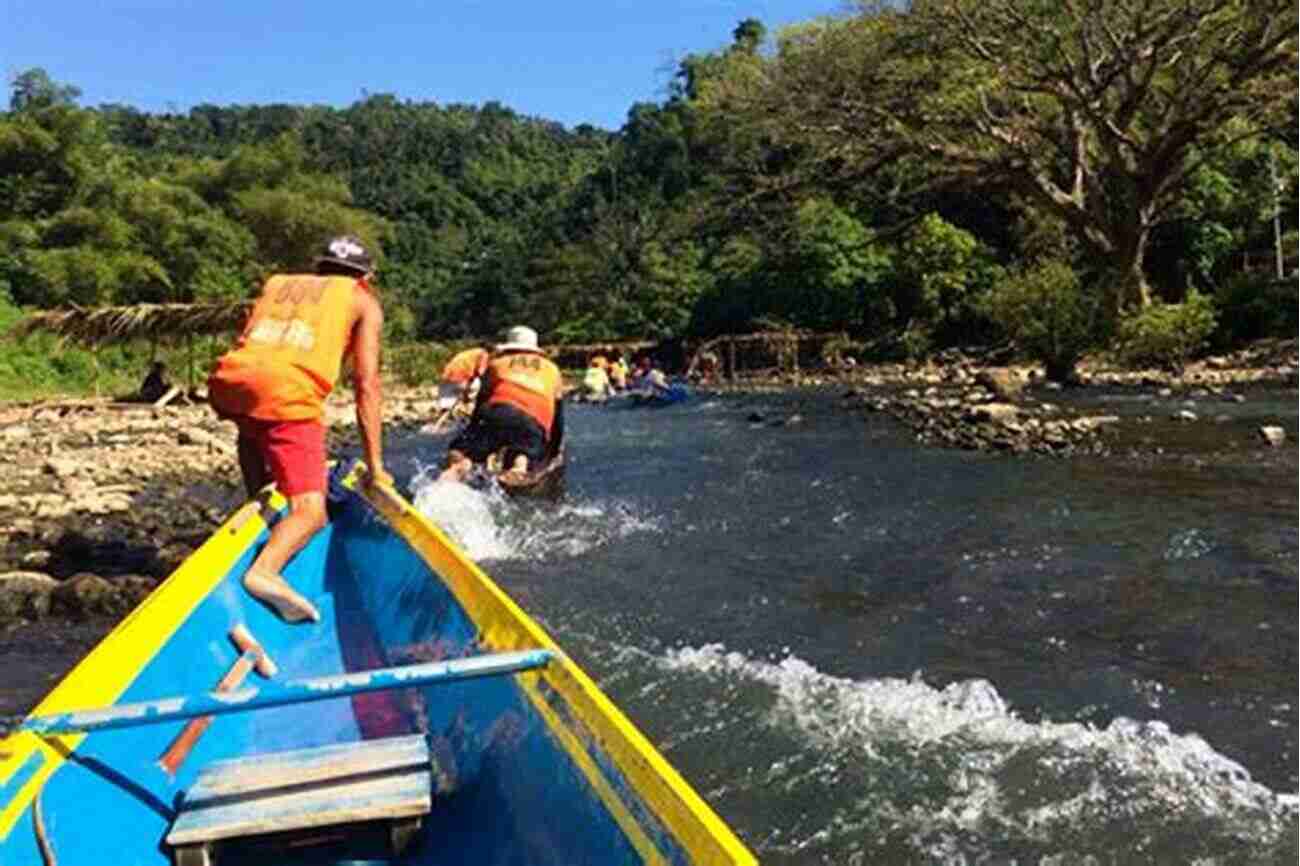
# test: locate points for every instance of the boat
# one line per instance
(676, 392)
(425, 719)
(544, 482)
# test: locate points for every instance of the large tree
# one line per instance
(1096, 111)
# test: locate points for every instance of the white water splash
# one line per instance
(466, 514)
(954, 775)
(490, 526)
(1189, 544)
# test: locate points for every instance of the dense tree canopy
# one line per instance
(1097, 113)
(887, 171)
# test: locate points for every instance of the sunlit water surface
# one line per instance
(864, 651)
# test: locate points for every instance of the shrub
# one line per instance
(1253, 306)
(1166, 335)
(416, 363)
(835, 350)
(916, 342)
(1046, 311)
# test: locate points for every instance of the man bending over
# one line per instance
(519, 410)
(273, 385)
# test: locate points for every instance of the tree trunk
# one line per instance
(1061, 370)
(1133, 288)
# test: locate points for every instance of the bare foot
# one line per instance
(457, 470)
(275, 591)
(512, 476)
(453, 474)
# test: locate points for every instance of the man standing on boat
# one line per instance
(273, 385)
(519, 409)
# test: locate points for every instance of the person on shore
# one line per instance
(595, 382)
(273, 385)
(519, 410)
(155, 383)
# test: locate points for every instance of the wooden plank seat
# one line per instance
(374, 789)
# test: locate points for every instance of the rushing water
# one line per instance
(864, 651)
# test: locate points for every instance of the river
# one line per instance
(860, 650)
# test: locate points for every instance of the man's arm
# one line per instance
(366, 382)
(557, 429)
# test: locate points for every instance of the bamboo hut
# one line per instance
(775, 352)
(781, 352)
(93, 327)
(97, 326)
(576, 355)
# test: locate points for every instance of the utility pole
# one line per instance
(1277, 212)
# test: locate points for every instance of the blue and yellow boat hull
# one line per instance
(534, 767)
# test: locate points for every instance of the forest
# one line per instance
(1061, 177)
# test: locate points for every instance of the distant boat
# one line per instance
(676, 392)
(426, 719)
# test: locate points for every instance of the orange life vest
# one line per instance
(288, 358)
(528, 381)
(465, 366)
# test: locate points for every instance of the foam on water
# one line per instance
(1189, 544)
(890, 768)
(466, 514)
(490, 526)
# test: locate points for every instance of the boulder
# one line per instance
(37, 558)
(133, 589)
(1005, 383)
(998, 412)
(60, 467)
(25, 594)
(85, 595)
(1272, 434)
(1092, 422)
(193, 436)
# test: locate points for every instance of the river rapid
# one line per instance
(860, 650)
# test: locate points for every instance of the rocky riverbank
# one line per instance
(102, 500)
(1014, 409)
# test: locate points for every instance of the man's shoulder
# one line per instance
(364, 300)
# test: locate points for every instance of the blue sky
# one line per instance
(575, 62)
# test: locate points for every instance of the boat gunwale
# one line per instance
(112, 665)
(698, 829)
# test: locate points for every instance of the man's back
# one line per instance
(288, 358)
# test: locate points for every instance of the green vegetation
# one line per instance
(1048, 312)
(1166, 335)
(43, 366)
(894, 172)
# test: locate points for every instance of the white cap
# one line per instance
(519, 338)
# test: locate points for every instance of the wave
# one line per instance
(899, 770)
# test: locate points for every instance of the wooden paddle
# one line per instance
(252, 656)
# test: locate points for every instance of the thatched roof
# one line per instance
(92, 326)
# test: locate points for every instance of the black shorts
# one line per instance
(500, 425)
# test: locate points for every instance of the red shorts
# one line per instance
(293, 451)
